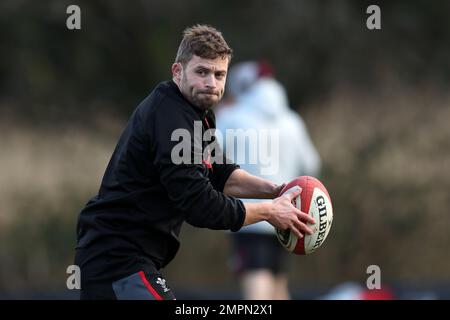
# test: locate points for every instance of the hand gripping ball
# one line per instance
(315, 201)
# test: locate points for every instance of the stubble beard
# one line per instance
(198, 99)
(203, 102)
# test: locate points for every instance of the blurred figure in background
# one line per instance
(257, 101)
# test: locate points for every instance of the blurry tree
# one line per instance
(125, 48)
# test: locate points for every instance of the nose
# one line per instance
(210, 81)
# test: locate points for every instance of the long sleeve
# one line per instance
(187, 184)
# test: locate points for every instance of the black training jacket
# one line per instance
(144, 197)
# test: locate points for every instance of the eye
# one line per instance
(201, 73)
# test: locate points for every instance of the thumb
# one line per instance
(295, 193)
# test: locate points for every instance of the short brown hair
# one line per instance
(203, 41)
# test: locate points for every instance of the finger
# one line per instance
(296, 232)
(303, 227)
(305, 217)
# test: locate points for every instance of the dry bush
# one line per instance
(46, 177)
(386, 162)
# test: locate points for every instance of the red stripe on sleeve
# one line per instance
(149, 286)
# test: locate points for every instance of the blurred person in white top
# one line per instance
(256, 101)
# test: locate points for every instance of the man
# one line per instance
(260, 104)
(129, 231)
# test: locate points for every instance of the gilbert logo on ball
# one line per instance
(315, 201)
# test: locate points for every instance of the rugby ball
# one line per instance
(315, 201)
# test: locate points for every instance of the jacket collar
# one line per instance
(202, 113)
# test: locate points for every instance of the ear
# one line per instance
(177, 69)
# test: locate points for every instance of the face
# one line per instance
(201, 81)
